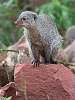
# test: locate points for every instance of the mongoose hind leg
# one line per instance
(47, 55)
(50, 55)
(54, 53)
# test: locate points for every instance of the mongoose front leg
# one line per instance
(36, 60)
(47, 55)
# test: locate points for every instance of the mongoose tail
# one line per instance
(41, 36)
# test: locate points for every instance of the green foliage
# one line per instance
(9, 98)
(9, 12)
(62, 12)
(4, 98)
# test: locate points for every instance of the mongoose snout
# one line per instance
(18, 24)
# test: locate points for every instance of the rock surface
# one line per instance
(70, 35)
(46, 82)
(2, 57)
(11, 60)
(70, 52)
(18, 57)
(8, 90)
(62, 55)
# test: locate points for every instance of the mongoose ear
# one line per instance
(34, 16)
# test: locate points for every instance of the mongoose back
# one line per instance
(41, 35)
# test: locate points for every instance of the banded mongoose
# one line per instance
(42, 36)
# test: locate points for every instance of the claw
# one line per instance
(35, 63)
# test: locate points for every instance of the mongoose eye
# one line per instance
(24, 19)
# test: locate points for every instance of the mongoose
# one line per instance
(42, 36)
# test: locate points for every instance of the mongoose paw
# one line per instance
(46, 62)
(35, 62)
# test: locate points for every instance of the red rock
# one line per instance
(70, 52)
(8, 90)
(19, 45)
(46, 82)
(2, 57)
(70, 35)
(9, 64)
(62, 55)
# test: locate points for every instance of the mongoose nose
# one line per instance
(15, 24)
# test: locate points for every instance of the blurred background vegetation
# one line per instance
(61, 11)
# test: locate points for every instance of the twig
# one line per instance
(25, 52)
(6, 50)
(64, 63)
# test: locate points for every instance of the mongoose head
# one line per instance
(26, 19)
